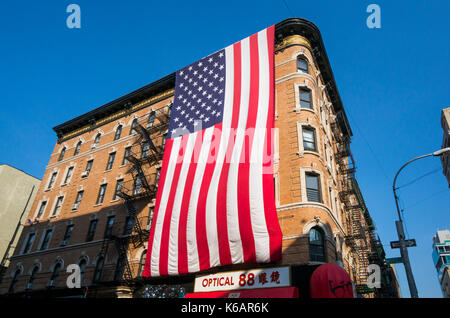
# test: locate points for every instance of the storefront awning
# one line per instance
(281, 292)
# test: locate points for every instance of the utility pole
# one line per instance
(402, 243)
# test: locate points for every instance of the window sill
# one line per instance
(115, 200)
(98, 204)
(298, 110)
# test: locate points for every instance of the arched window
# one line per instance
(98, 269)
(56, 271)
(14, 281)
(33, 276)
(62, 153)
(133, 126)
(97, 140)
(142, 263)
(118, 132)
(82, 264)
(316, 245)
(302, 65)
(77, 148)
(151, 118)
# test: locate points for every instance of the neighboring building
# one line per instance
(441, 259)
(96, 201)
(16, 196)
(445, 159)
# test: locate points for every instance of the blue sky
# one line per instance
(393, 83)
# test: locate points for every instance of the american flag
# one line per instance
(215, 204)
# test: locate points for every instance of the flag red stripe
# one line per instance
(222, 226)
(273, 227)
(182, 227)
(245, 222)
(162, 179)
(164, 250)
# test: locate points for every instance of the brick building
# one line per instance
(96, 199)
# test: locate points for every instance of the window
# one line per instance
(145, 149)
(14, 281)
(118, 133)
(302, 65)
(137, 185)
(46, 241)
(151, 118)
(128, 225)
(68, 175)
(316, 245)
(109, 226)
(313, 187)
(142, 263)
(89, 167)
(98, 270)
(29, 243)
(78, 199)
(41, 209)
(82, 264)
(118, 189)
(68, 234)
(305, 98)
(77, 148)
(101, 194)
(58, 206)
(110, 163)
(91, 231)
(97, 140)
(33, 275)
(56, 271)
(309, 139)
(133, 126)
(62, 153)
(52, 180)
(163, 141)
(125, 156)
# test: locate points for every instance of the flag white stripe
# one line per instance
(259, 226)
(236, 248)
(211, 202)
(154, 265)
(173, 240)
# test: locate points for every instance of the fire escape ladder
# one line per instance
(123, 270)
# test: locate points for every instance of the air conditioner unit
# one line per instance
(93, 146)
(75, 206)
(84, 174)
(64, 243)
(28, 286)
(51, 283)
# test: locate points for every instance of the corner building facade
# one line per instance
(95, 204)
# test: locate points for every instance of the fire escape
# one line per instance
(140, 184)
(355, 210)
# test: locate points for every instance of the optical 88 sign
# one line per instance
(253, 278)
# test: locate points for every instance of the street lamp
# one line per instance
(403, 244)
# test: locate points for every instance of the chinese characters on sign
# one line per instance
(253, 278)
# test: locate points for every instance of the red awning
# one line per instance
(281, 292)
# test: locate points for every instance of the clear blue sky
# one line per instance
(393, 82)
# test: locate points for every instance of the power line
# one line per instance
(289, 9)
(418, 178)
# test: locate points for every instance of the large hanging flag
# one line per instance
(215, 203)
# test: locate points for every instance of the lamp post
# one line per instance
(404, 244)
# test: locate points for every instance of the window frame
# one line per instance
(110, 163)
(319, 186)
(46, 239)
(317, 257)
(306, 63)
(101, 194)
(118, 133)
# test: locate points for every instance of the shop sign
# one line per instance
(245, 279)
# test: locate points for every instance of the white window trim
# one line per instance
(47, 188)
(301, 149)
(44, 199)
(54, 205)
(71, 165)
(310, 86)
(303, 171)
(43, 236)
